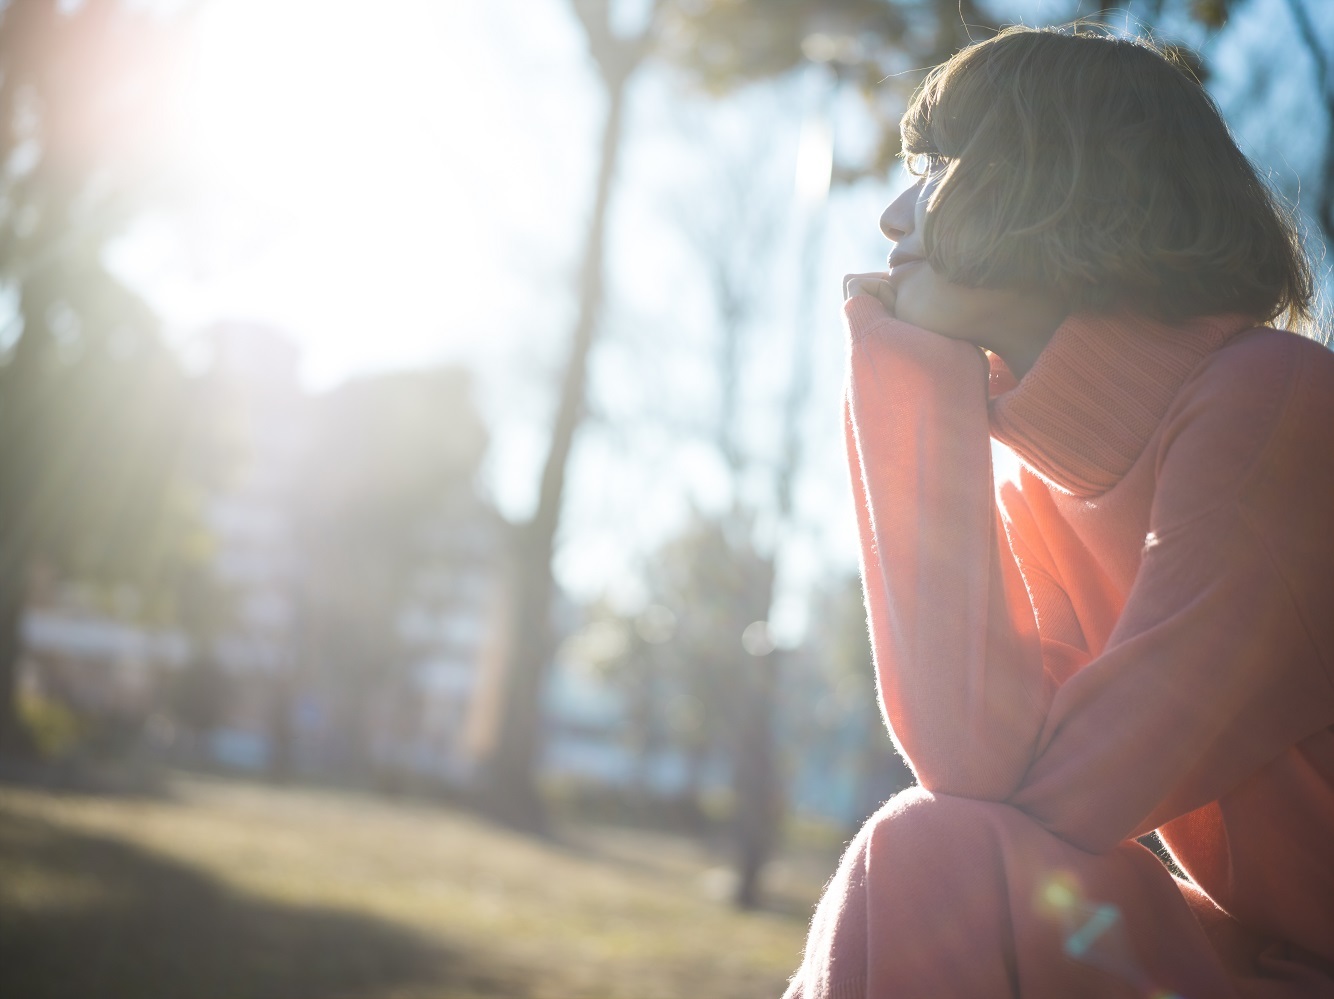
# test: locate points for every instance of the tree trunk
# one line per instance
(510, 770)
(21, 389)
(756, 780)
(14, 739)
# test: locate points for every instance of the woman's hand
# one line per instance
(876, 285)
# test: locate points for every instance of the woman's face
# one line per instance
(1003, 321)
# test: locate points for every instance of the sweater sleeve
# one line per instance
(958, 662)
(1214, 668)
(1221, 658)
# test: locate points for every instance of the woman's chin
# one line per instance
(924, 312)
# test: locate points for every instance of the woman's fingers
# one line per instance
(854, 284)
(874, 285)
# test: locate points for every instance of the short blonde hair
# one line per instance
(1095, 168)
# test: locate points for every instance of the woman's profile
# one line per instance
(1133, 632)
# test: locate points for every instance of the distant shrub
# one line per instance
(54, 728)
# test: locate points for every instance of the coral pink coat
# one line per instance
(1135, 632)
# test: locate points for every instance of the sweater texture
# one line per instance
(1133, 631)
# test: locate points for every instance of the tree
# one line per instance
(733, 237)
(846, 653)
(1321, 58)
(509, 768)
(881, 48)
(716, 585)
(865, 43)
(91, 402)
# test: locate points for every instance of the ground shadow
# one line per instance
(712, 880)
(84, 916)
(120, 778)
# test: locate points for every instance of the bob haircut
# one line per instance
(1094, 168)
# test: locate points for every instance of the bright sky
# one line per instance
(370, 174)
(407, 182)
(412, 187)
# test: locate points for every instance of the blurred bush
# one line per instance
(55, 730)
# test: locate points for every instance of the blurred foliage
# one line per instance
(384, 452)
(850, 708)
(198, 695)
(92, 404)
(879, 48)
(389, 468)
(679, 661)
(716, 584)
(682, 666)
(55, 729)
(725, 44)
(1211, 13)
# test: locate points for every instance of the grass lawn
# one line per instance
(227, 889)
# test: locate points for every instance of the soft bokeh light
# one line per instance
(362, 175)
(815, 161)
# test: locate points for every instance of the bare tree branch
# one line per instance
(1306, 29)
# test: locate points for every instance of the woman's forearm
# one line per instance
(957, 657)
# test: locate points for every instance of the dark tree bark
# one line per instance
(86, 442)
(20, 458)
(509, 771)
(14, 739)
(756, 781)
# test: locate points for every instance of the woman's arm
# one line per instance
(1213, 670)
(957, 657)
(1223, 654)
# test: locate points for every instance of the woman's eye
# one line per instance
(925, 164)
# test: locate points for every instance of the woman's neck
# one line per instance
(1023, 332)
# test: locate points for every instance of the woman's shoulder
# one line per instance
(1255, 377)
(1255, 422)
(1266, 358)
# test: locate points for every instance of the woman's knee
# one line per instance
(928, 821)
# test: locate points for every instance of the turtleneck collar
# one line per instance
(1086, 409)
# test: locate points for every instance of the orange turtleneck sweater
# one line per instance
(1135, 633)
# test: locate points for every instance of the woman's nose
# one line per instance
(897, 220)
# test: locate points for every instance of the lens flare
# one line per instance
(1093, 933)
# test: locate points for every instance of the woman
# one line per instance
(1134, 631)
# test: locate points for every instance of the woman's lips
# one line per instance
(897, 265)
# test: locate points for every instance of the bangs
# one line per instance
(946, 109)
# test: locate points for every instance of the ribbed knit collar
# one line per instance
(1086, 409)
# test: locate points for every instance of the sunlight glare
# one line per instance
(355, 130)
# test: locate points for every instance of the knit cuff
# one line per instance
(863, 313)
